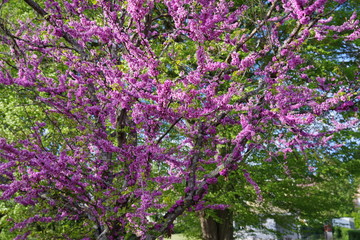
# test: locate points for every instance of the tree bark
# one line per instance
(218, 228)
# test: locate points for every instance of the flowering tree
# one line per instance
(130, 103)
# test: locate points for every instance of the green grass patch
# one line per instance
(176, 237)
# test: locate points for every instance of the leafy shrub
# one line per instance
(354, 234)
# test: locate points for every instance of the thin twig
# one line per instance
(167, 131)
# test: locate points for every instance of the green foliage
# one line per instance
(338, 233)
(356, 215)
(354, 234)
(189, 226)
(341, 233)
(11, 213)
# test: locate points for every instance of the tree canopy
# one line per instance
(124, 114)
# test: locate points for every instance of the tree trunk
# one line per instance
(217, 230)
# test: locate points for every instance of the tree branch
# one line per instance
(167, 131)
(65, 35)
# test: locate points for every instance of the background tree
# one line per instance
(136, 97)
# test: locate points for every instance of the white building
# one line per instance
(267, 233)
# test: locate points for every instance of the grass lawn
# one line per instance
(176, 237)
